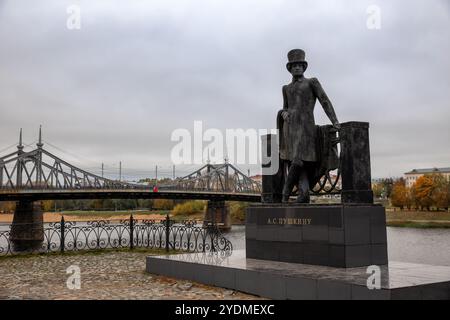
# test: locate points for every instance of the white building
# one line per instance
(412, 176)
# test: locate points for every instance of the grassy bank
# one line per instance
(417, 215)
(418, 224)
(417, 219)
(95, 215)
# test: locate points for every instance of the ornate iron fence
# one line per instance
(166, 234)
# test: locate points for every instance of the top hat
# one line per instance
(296, 56)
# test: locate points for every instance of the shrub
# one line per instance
(237, 211)
(189, 208)
(163, 204)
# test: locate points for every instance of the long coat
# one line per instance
(298, 135)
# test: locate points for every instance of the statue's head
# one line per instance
(296, 62)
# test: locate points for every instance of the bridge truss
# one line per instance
(40, 169)
(213, 177)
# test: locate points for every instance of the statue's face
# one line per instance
(297, 69)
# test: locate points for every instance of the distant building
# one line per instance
(412, 176)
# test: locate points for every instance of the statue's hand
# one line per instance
(285, 115)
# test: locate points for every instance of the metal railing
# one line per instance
(165, 234)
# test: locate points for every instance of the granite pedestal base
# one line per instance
(282, 280)
(337, 235)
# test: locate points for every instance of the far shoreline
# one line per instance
(396, 219)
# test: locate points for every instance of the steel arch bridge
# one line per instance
(40, 175)
(218, 177)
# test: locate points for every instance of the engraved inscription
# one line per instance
(289, 221)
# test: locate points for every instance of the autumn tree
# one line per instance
(7, 206)
(410, 198)
(441, 191)
(163, 204)
(399, 194)
(145, 203)
(48, 205)
(386, 186)
(423, 191)
(96, 204)
(377, 189)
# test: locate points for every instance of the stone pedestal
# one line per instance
(329, 235)
(27, 229)
(355, 163)
(272, 184)
(217, 212)
(282, 280)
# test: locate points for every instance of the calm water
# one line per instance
(429, 246)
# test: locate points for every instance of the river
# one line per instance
(428, 246)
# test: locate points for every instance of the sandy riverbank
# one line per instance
(55, 217)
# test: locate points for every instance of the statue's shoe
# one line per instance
(285, 199)
(302, 198)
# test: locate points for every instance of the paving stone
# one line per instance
(106, 275)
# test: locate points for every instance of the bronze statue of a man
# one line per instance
(298, 131)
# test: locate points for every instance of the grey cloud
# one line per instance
(117, 88)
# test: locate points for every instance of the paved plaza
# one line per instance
(104, 275)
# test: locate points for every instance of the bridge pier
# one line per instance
(217, 212)
(27, 229)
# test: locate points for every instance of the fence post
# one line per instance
(131, 232)
(167, 232)
(63, 236)
(213, 237)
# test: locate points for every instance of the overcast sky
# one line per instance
(115, 89)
